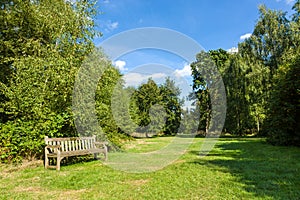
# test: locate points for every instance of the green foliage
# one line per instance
(233, 71)
(24, 139)
(270, 39)
(262, 54)
(42, 45)
(272, 56)
(170, 101)
(202, 79)
(190, 121)
(260, 80)
(107, 85)
(284, 110)
(156, 109)
(97, 97)
(145, 97)
(235, 74)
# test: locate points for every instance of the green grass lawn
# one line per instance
(234, 169)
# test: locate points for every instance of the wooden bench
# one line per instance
(60, 148)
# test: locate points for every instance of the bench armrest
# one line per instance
(103, 143)
(53, 146)
(52, 149)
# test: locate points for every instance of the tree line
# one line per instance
(261, 80)
(43, 44)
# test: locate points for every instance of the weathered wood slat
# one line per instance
(79, 145)
(67, 139)
(76, 145)
(84, 144)
(89, 143)
(62, 146)
(74, 153)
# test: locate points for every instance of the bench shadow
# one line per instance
(68, 161)
(264, 170)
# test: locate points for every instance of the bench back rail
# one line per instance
(72, 144)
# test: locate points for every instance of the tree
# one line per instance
(202, 79)
(235, 75)
(263, 53)
(272, 54)
(282, 125)
(295, 25)
(110, 84)
(237, 116)
(156, 108)
(146, 96)
(270, 39)
(170, 100)
(42, 45)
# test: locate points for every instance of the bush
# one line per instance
(25, 139)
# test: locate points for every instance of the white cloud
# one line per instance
(288, 2)
(233, 50)
(185, 71)
(245, 36)
(135, 79)
(109, 25)
(105, 1)
(120, 64)
(113, 25)
(157, 76)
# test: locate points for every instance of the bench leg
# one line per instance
(58, 163)
(46, 161)
(95, 156)
(105, 156)
(105, 153)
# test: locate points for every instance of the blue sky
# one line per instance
(211, 23)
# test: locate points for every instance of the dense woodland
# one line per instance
(43, 44)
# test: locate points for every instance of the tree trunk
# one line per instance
(257, 124)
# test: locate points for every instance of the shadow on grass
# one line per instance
(69, 161)
(265, 170)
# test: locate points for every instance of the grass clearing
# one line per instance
(234, 169)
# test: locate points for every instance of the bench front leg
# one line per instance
(105, 153)
(102, 145)
(46, 158)
(58, 159)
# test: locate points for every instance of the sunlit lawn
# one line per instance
(234, 169)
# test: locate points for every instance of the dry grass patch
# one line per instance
(137, 143)
(57, 194)
(139, 182)
(29, 189)
(8, 168)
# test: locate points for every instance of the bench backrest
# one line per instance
(72, 143)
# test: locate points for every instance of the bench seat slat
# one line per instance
(77, 153)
